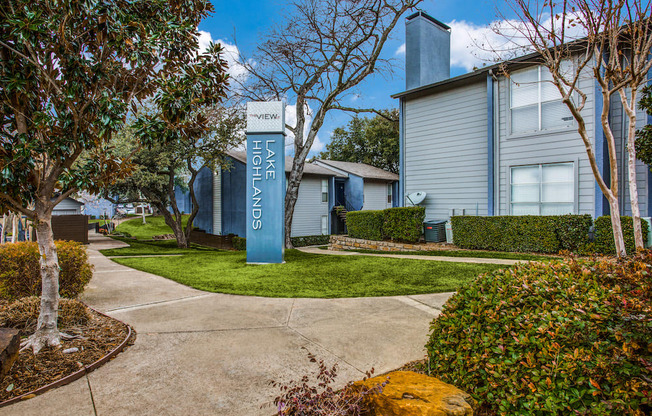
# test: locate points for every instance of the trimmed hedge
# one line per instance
(365, 224)
(240, 243)
(404, 224)
(20, 270)
(527, 233)
(560, 338)
(604, 236)
(400, 224)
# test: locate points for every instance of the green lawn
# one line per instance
(155, 226)
(303, 274)
(465, 253)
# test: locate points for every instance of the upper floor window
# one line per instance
(535, 102)
(324, 190)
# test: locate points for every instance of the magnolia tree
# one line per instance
(320, 53)
(180, 146)
(611, 41)
(68, 72)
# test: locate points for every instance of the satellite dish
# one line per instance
(416, 198)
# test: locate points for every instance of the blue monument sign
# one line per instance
(265, 182)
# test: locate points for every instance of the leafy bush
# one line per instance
(239, 243)
(299, 398)
(20, 269)
(527, 233)
(403, 224)
(365, 224)
(310, 240)
(604, 236)
(566, 337)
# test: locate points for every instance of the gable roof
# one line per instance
(361, 169)
(308, 169)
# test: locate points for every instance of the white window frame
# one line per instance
(390, 196)
(324, 192)
(324, 225)
(540, 82)
(574, 186)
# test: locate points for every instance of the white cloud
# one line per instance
(230, 53)
(400, 50)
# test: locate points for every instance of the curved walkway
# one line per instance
(201, 353)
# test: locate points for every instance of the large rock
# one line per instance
(413, 394)
(9, 348)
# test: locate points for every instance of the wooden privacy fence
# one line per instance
(69, 227)
(223, 242)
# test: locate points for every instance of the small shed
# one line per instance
(68, 206)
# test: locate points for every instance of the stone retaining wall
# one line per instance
(343, 242)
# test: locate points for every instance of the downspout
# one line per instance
(490, 144)
(401, 141)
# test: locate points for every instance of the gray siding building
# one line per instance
(486, 144)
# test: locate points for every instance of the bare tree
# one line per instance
(614, 48)
(322, 51)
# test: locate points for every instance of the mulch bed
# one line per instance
(101, 335)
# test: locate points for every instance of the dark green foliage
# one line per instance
(403, 224)
(561, 338)
(400, 224)
(370, 140)
(20, 270)
(365, 224)
(240, 243)
(527, 233)
(644, 137)
(310, 240)
(604, 236)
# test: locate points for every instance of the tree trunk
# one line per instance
(4, 229)
(616, 227)
(631, 165)
(14, 228)
(142, 208)
(291, 195)
(47, 333)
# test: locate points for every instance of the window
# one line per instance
(543, 189)
(389, 193)
(324, 224)
(324, 190)
(535, 102)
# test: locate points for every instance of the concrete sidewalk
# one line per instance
(201, 353)
(316, 250)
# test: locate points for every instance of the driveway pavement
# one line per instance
(201, 353)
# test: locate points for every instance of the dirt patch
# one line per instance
(100, 335)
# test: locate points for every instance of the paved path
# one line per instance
(316, 250)
(201, 353)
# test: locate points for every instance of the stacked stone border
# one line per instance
(343, 242)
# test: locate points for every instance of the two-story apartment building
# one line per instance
(484, 143)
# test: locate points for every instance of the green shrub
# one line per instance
(560, 338)
(527, 233)
(365, 224)
(403, 224)
(239, 243)
(310, 240)
(604, 236)
(20, 270)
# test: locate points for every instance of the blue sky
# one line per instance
(240, 26)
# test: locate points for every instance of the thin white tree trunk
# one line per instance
(14, 228)
(4, 229)
(616, 226)
(47, 333)
(630, 110)
(142, 208)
